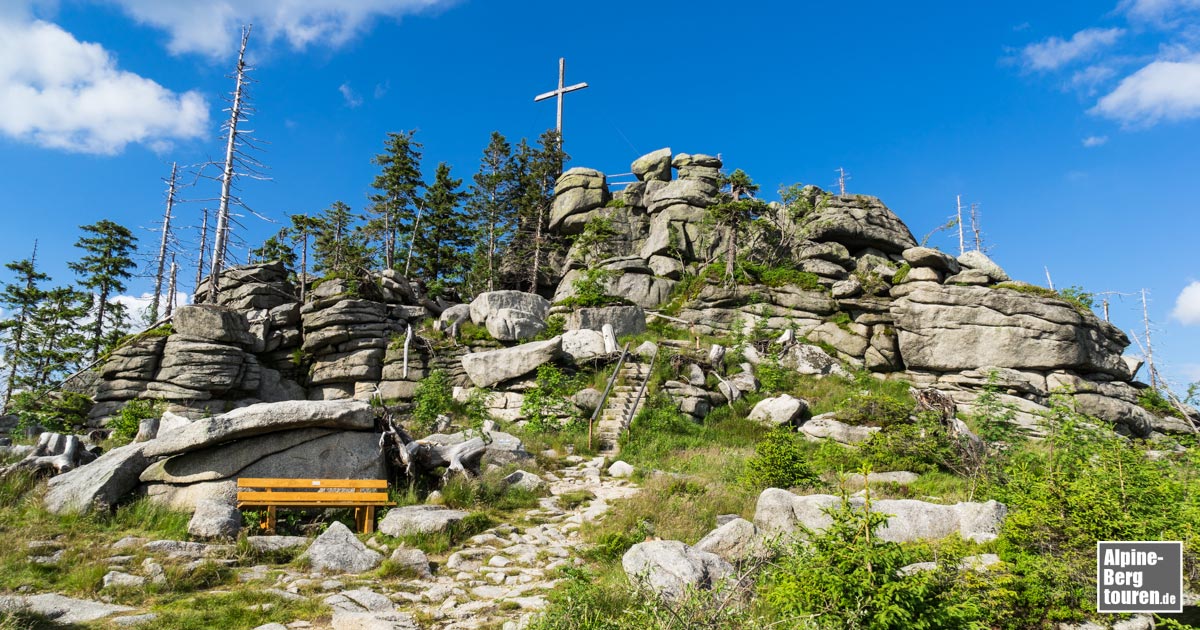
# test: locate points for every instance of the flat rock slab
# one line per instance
(226, 460)
(781, 512)
(264, 418)
(61, 609)
(419, 519)
(104, 481)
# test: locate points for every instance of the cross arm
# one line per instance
(542, 97)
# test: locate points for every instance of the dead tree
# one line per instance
(237, 164)
(54, 454)
(841, 182)
(418, 458)
(171, 288)
(975, 229)
(163, 243)
(958, 213)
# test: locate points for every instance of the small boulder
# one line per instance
(419, 519)
(413, 559)
(119, 579)
(782, 410)
(734, 540)
(654, 166)
(932, 258)
(215, 519)
(670, 568)
(525, 481)
(620, 469)
(810, 359)
(494, 366)
(979, 261)
(825, 427)
(338, 550)
(587, 399)
(583, 345)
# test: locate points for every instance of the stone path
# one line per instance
(499, 578)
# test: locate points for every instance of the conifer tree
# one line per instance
(538, 169)
(736, 209)
(103, 269)
(394, 206)
(303, 228)
(56, 343)
(443, 240)
(20, 298)
(340, 247)
(491, 208)
(276, 248)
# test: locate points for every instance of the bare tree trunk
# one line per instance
(98, 327)
(958, 203)
(1149, 347)
(412, 240)
(162, 246)
(235, 114)
(304, 267)
(203, 250)
(171, 289)
(537, 249)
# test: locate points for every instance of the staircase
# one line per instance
(622, 405)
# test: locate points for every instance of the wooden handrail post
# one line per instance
(608, 388)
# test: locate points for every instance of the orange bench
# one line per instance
(364, 495)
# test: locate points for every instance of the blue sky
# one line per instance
(1073, 125)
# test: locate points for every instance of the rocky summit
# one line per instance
(694, 406)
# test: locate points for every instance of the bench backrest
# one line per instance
(285, 491)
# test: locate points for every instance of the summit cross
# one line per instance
(562, 74)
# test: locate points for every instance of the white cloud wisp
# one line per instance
(1160, 91)
(1056, 52)
(210, 28)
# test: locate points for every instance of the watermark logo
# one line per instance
(1139, 577)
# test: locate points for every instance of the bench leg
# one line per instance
(271, 520)
(369, 525)
(358, 520)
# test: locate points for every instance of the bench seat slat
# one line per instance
(280, 498)
(302, 504)
(252, 482)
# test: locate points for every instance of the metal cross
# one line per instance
(562, 73)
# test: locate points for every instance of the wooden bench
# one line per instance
(364, 495)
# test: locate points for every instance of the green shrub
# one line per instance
(125, 424)
(546, 406)
(591, 290)
(61, 412)
(434, 397)
(847, 577)
(841, 318)
(1155, 402)
(779, 462)
(555, 326)
(901, 273)
(920, 447)
(775, 377)
(874, 409)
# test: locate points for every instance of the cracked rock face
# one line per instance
(958, 328)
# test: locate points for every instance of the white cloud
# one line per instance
(1057, 52)
(210, 28)
(353, 99)
(1187, 305)
(1157, 11)
(138, 305)
(1163, 90)
(382, 88)
(1087, 79)
(1094, 141)
(58, 92)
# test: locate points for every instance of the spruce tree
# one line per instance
(443, 239)
(302, 230)
(56, 343)
(538, 170)
(103, 269)
(276, 248)
(340, 247)
(20, 298)
(394, 206)
(736, 209)
(491, 209)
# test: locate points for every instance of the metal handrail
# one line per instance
(607, 389)
(642, 390)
